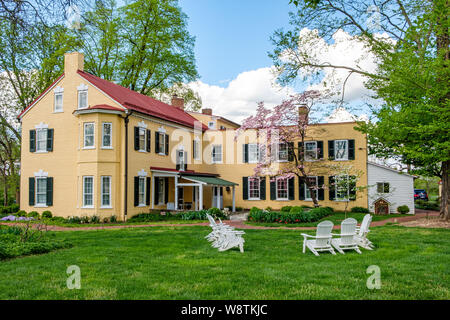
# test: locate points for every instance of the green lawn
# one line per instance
(90, 225)
(178, 263)
(336, 218)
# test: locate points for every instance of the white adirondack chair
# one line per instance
(347, 240)
(224, 237)
(321, 241)
(362, 231)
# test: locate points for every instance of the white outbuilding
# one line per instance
(389, 189)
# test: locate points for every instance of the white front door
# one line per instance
(217, 197)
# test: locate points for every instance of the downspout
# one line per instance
(126, 119)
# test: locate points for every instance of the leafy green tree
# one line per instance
(410, 42)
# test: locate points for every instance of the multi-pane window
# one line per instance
(282, 189)
(161, 188)
(342, 187)
(107, 135)
(41, 139)
(217, 153)
(141, 191)
(89, 135)
(253, 153)
(88, 191)
(313, 182)
(253, 188)
(106, 191)
(58, 102)
(41, 191)
(162, 143)
(383, 187)
(341, 149)
(282, 152)
(212, 125)
(82, 99)
(311, 150)
(181, 160)
(142, 139)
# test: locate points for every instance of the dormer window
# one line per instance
(82, 96)
(58, 104)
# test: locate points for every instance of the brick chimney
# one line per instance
(303, 114)
(73, 61)
(178, 102)
(207, 111)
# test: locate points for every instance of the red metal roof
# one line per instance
(141, 103)
(105, 107)
(186, 172)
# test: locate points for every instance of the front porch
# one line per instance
(188, 190)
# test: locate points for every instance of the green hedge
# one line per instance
(359, 210)
(295, 215)
(188, 215)
(427, 205)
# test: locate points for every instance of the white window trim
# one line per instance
(212, 125)
(58, 93)
(259, 189)
(257, 153)
(306, 188)
(278, 152)
(335, 151)
(82, 88)
(184, 158)
(41, 128)
(316, 156)
(101, 193)
(287, 189)
(145, 138)
(144, 204)
(336, 189)
(163, 190)
(221, 154)
(111, 135)
(383, 183)
(162, 135)
(40, 205)
(84, 136)
(93, 193)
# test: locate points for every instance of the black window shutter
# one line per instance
(301, 188)
(262, 188)
(245, 146)
(194, 151)
(291, 182)
(331, 188)
(185, 154)
(273, 190)
(33, 141)
(319, 149)
(351, 149)
(245, 188)
(331, 149)
(149, 140)
(290, 146)
(49, 191)
(136, 191)
(156, 190)
(321, 193)
(147, 191)
(167, 144)
(166, 189)
(300, 150)
(352, 187)
(136, 138)
(31, 189)
(50, 139)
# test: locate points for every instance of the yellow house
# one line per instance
(92, 147)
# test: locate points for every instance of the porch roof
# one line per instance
(214, 181)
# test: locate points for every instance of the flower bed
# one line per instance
(188, 215)
(295, 215)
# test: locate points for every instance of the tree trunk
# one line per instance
(445, 192)
(5, 192)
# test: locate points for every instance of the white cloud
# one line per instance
(239, 99)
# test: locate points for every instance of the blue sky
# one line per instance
(233, 36)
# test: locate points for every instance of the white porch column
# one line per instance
(153, 192)
(196, 197)
(200, 189)
(234, 199)
(176, 192)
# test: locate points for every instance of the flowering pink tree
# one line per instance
(285, 124)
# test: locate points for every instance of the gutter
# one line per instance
(126, 120)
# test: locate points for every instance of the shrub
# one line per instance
(359, 210)
(403, 209)
(21, 213)
(105, 220)
(47, 214)
(295, 215)
(113, 219)
(33, 214)
(74, 219)
(58, 219)
(286, 208)
(85, 219)
(94, 219)
(216, 213)
(296, 209)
